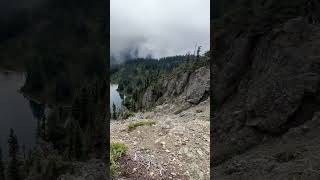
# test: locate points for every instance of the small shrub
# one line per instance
(144, 122)
(117, 150)
(199, 111)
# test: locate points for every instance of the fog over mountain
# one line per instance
(158, 28)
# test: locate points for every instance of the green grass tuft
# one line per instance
(117, 150)
(144, 122)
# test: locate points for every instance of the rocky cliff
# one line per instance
(266, 91)
(183, 88)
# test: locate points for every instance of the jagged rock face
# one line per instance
(148, 98)
(264, 86)
(183, 88)
(198, 86)
(175, 85)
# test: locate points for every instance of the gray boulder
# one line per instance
(198, 85)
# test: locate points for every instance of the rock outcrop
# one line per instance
(183, 88)
(266, 87)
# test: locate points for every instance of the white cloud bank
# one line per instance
(159, 27)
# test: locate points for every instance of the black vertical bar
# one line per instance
(107, 118)
(212, 15)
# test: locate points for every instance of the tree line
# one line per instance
(70, 132)
(134, 77)
(13, 170)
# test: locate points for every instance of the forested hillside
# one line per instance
(61, 47)
(136, 76)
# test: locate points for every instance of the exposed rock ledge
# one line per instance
(267, 93)
(185, 89)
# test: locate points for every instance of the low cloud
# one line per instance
(158, 27)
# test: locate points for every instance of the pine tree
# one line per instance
(38, 130)
(198, 52)
(13, 167)
(38, 165)
(70, 147)
(43, 128)
(76, 109)
(78, 145)
(114, 111)
(2, 177)
(24, 152)
(84, 101)
(74, 140)
(52, 171)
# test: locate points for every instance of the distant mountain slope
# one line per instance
(147, 83)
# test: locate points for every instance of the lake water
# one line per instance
(16, 112)
(115, 96)
(21, 114)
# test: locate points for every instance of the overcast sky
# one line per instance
(159, 27)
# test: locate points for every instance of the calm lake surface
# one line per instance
(115, 96)
(16, 112)
(21, 114)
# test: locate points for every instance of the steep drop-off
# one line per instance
(176, 144)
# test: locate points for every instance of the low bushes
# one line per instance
(145, 122)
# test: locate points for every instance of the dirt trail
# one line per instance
(177, 147)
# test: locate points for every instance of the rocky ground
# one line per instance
(293, 156)
(177, 147)
(92, 170)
